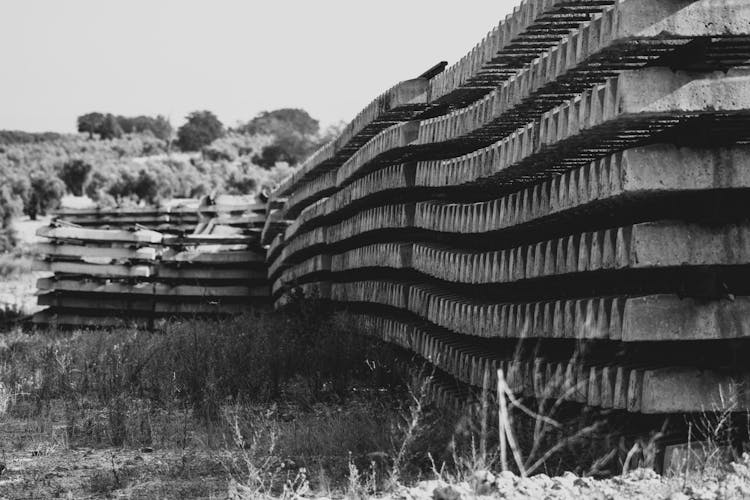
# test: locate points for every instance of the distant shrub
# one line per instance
(270, 155)
(23, 158)
(243, 180)
(10, 206)
(158, 126)
(213, 153)
(14, 137)
(46, 193)
(256, 357)
(295, 134)
(110, 128)
(90, 123)
(74, 174)
(234, 146)
(97, 184)
(282, 122)
(156, 180)
(149, 188)
(201, 129)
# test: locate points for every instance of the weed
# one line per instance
(410, 429)
(11, 314)
(102, 482)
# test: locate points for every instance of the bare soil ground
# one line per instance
(40, 464)
(111, 473)
(38, 461)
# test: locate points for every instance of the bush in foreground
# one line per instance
(300, 387)
(258, 357)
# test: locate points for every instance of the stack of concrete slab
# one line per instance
(568, 203)
(104, 277)
(178, 216)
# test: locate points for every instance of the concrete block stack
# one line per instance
(569, 203)
(136, 275)
(178, 216)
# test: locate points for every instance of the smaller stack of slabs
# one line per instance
(107, 277)
(100, 276)
(219, 271)
(236, 211)
(179, 216)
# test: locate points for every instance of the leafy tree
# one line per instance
(147, 186)
(8, 137)
(74, 174)
(295, 132)
(287, 147)
(150, 183)
(158, 126)
(215, 152)
(120, 186)
(98, 182)
(282, 122)
(90, 123)
(201, 129)
(126, 123)
(241, 183)
(272, 154)
(110, 128)
(161, 127)
(46, 193)
(9, 208)
(19, 186)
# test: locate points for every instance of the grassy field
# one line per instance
(212, 410)
(264, 448)
(285, 405)
(187, 411)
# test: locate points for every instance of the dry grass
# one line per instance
(200, 389)
(293, 404)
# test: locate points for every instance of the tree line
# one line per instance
(123, 160)
(296, 134)
(109, 126)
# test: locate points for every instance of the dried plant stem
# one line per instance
(483, 423)
(505, 427)
(501, 420)
(560, 445)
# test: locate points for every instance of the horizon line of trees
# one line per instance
(38, 169)
(295, 133)
(109, 126)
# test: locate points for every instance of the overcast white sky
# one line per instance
(63, 58)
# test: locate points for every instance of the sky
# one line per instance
(63, 58)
